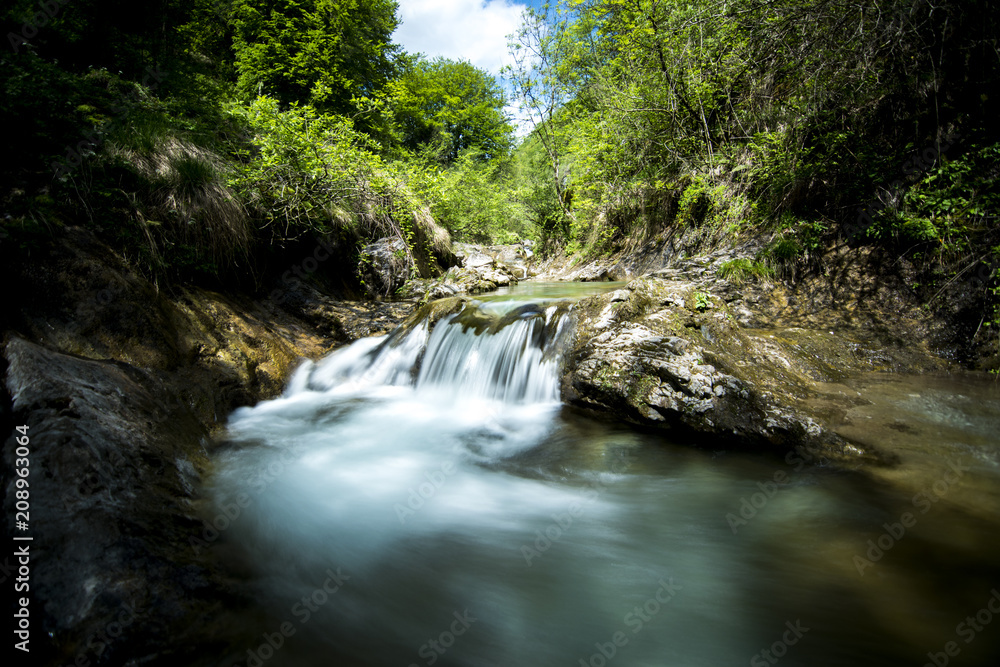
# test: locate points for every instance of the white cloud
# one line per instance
(473, 30)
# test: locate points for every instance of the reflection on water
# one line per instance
(455, 528)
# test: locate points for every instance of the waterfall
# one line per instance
(469, 520)
(511, 355)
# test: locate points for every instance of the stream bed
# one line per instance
(427, 500)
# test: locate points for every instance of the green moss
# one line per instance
(608, 378)
(639, 302)
(639, 387)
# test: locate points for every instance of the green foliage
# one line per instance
(119, 35)
(746, 117)
(762, 109)
(741, 271)
(471, 198)
(536, 191)
(190, 175)
(695, 203)
(307, 169)
(783, 253)
(948, 205)
(702, 302)
(550, 64)
(331, 54)
(443, 107)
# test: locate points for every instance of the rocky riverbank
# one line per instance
(121, 385)
(680, 351)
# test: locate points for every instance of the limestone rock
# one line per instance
(483, 269)
(671, 353)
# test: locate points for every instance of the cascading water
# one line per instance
(423, 498)
(516, 363)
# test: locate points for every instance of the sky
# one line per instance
(473, 30)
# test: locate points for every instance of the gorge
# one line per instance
(671, 340)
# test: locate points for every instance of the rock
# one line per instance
(341, 321)
(219, 351)
(666, 353)
(388, 264)
(432, 246)
(385, 266)
(114, 455)
(512, 261)
(120, 384)
(473, 256)
(483, 269)
(515, 259)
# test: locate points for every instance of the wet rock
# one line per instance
(114, 454)
(671, 353)
(340, 321)
(385, 266)
(389, 264)
(219, 351)
(120, 383)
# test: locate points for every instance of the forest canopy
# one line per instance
(802, 124)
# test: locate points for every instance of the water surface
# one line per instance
(463, 516)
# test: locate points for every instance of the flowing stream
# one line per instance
(425, 499)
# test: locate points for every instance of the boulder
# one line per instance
(483, 269)
(669, 352)
(385, 266)
(114, 455)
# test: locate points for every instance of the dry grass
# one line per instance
(190, 202)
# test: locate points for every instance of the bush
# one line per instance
(472, 199)
(306, 170)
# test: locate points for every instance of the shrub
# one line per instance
(742, 270)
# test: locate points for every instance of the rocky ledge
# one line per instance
(481, 269)
(679, 350)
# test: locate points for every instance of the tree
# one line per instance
(545, 85)
(332, 54)
(536, 191)
(449, 106)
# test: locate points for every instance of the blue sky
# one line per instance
(473, 30)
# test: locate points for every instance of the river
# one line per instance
(425, 499)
